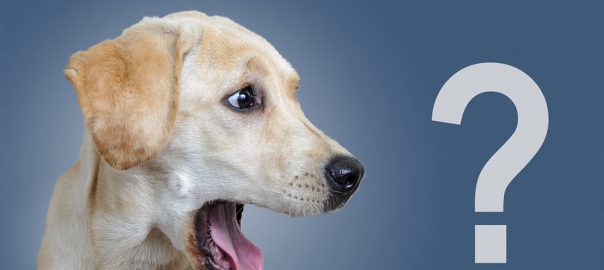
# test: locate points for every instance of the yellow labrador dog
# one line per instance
(188, 118)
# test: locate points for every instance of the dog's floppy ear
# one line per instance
(128, 89)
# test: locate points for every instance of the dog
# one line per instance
(188, 118)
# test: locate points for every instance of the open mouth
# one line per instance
(218, 241)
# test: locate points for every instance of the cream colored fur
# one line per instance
(161, 142)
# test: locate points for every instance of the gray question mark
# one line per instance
(490, 240)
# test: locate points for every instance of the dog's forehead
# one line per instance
(229, 44)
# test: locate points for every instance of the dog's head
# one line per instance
(207, 110)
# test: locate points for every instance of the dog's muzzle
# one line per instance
(343, 176)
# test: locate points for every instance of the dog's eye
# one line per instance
(244, 99)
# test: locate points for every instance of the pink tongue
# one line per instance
(227, 235)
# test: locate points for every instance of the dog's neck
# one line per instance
(119, 209)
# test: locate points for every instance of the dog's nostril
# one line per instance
(344, 174)
(344, 177)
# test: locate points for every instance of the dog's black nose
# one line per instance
(343, 175)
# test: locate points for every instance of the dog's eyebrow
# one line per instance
(291, 76)
(293, 83)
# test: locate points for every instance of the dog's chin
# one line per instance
(216, 241)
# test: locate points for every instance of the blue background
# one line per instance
(370, 73)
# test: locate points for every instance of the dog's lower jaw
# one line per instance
(215, 241)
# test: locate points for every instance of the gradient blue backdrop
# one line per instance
(370, 73)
